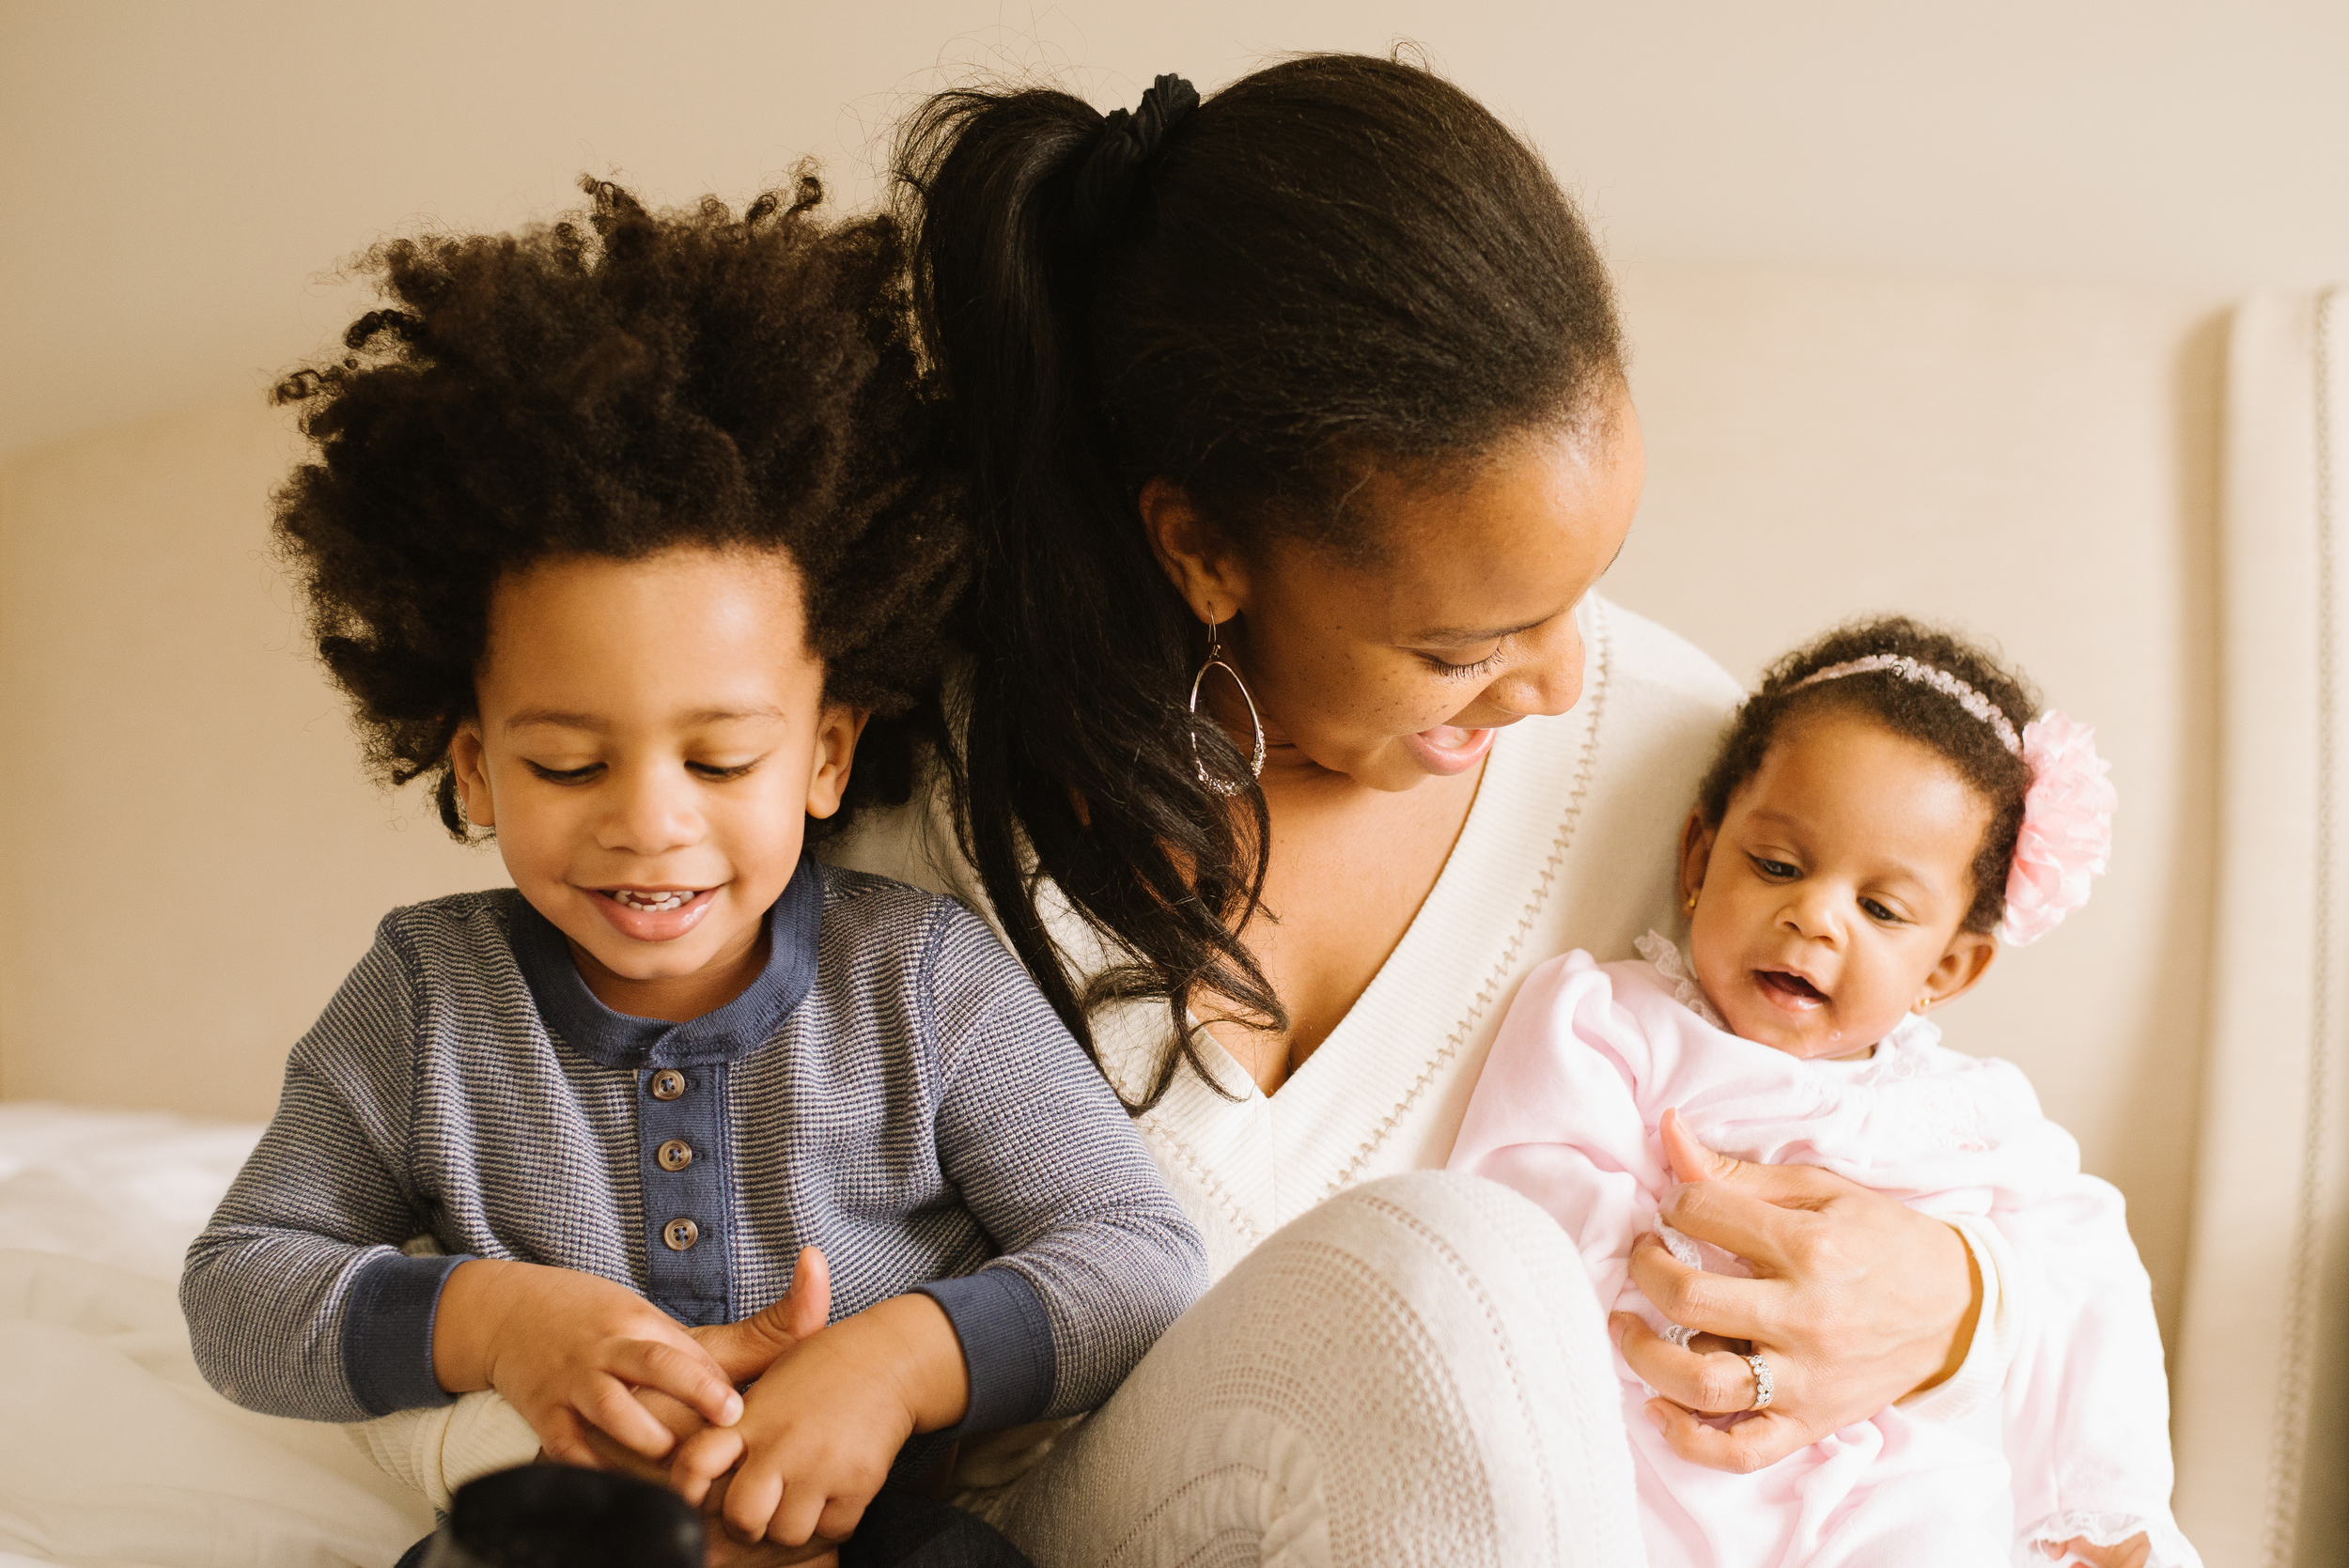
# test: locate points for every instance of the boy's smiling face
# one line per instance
(1829, 899)
(649, 741)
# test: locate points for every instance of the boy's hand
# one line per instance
(744, 1350)
(567, 1350)
(748, 1348)
(821, 1428)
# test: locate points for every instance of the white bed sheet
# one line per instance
(114, 1454)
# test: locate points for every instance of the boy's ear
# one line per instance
(1963, 964)
(1696, 853)
(836, 734)
(1194, 556)
(471, 768)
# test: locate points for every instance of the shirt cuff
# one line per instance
(1982, 1373)
(387, 1332)
(1007, 1346)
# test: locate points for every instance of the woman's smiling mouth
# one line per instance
(1449, 749)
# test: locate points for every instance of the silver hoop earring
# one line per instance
(1255, 763)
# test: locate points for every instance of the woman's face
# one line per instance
(1400, 671)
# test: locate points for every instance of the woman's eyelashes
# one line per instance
(1451, 670)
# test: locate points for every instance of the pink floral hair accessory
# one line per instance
(2067, 828)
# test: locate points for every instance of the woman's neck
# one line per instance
(1348, 869)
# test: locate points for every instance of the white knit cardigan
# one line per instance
(1570, 843)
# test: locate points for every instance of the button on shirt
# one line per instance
(891, 1089)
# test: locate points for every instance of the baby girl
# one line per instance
(1875, 821)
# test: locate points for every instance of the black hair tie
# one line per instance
(1105, 182)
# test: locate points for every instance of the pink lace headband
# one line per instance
(2067, 812)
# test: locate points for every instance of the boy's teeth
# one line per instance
(657, 901)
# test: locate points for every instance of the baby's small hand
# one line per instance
(819, 1431)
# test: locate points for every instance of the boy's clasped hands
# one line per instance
(609, 1380)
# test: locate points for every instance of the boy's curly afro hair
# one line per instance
(617, 384)
(1907, 709)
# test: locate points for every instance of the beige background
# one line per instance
(172, 176)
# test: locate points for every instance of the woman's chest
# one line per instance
(1344, 879)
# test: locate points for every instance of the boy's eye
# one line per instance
(719, 772)
(565, 775)
(1878, 912)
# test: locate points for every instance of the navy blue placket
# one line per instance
(681, 1160)
(684, 1135)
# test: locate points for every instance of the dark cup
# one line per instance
(558, 1517)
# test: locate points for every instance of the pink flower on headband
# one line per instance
(2067, 828)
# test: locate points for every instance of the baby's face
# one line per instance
(651, 740)
(1829, 897)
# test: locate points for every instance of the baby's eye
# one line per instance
(1777, 871)
(1879, 912)
(565, 775)
(720, 772)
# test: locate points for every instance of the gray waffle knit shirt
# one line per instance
(893, 1088)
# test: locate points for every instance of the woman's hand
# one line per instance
(1856, 1300)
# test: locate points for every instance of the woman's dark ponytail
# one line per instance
(1334, 265)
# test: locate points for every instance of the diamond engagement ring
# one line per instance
(1763, 1386)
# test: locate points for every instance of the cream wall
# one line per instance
(198, 861)
(172, 175)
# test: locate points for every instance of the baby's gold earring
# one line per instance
(1692, 901)
(1924, 999)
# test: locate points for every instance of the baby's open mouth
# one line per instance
(631, 898)
(1789, 986)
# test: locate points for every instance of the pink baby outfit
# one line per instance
(1587, 1062)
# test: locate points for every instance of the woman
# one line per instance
(1294, 738)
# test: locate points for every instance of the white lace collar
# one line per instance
(1673, 965)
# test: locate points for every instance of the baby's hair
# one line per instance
(1910, 709)
(617, 385)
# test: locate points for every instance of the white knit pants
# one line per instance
(1416, 1372)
